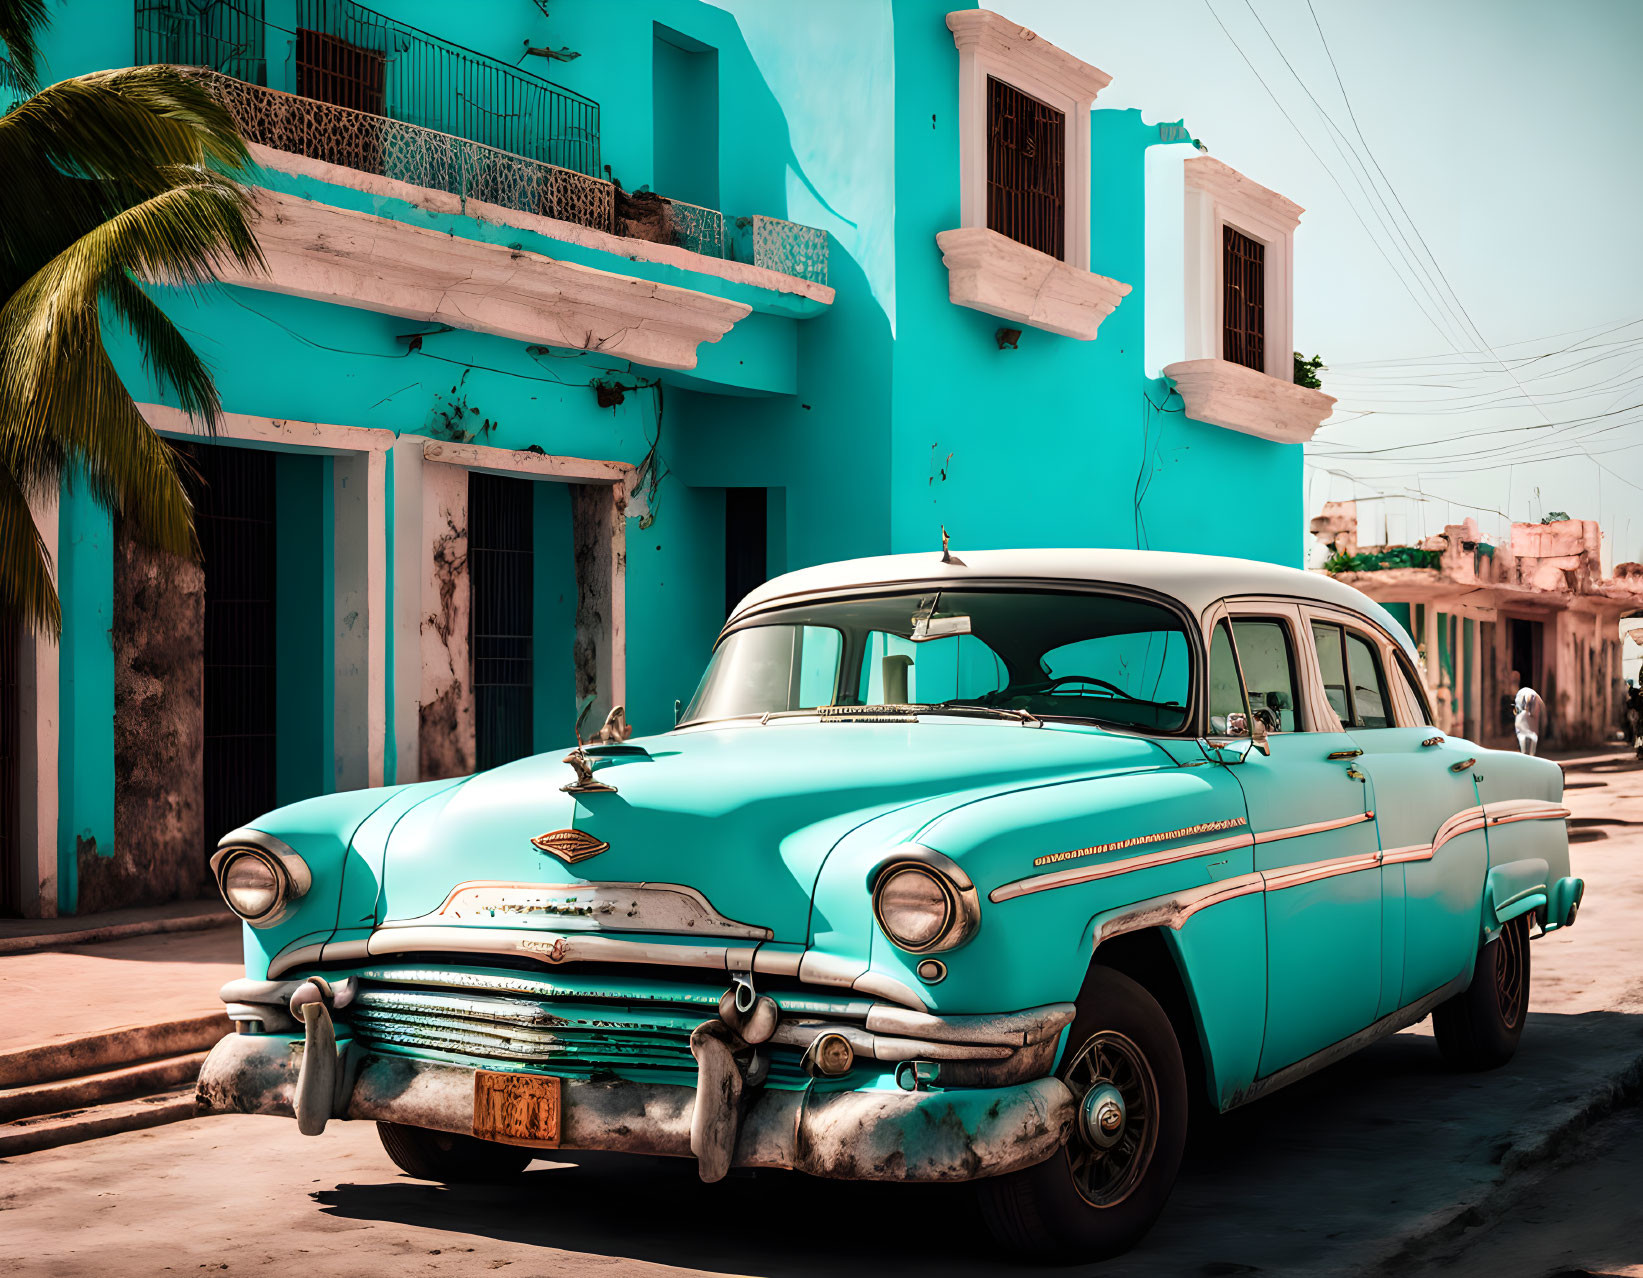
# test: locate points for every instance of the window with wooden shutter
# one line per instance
(1026, 169)
(1243, 292)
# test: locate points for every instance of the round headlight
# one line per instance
(251, 886)
(916, 907)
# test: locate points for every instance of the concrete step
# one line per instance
(74, 1058)
(45, 1131)
(35, 1099)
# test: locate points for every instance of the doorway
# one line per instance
(233, 494)
(501, 567)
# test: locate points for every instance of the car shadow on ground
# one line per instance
(1254, 1171)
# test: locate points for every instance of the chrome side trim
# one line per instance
(1312, 871)
(1089, 873)
(1173, 909)
(1313, 827)
(589, 906)
(1086, 874)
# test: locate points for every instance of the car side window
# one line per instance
(1332, 665)
(1404, 673)
(1369, 699)
(1269, 670)
(1226, 691)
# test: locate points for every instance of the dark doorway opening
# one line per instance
(233, 495)
(11, 790)
(501, 569)
(746, 542)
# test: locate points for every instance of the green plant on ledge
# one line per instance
(1307, 370)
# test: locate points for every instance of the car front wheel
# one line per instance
(447, 1157)
(1100, 1194)
(1480, 1027)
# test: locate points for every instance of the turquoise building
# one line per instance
(580, 321)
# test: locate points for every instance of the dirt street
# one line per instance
(1383, 1164)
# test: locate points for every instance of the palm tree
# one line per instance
(108, 182)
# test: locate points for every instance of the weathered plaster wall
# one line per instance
(446, 733)
(159, 733)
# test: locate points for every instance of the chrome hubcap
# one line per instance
(1102, 1115)
(1117, 1128)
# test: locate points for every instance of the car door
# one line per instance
(1314, 834)
(1433, 854)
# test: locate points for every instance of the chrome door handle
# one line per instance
(1344, 754)
(1462, 765)
(1432, 741)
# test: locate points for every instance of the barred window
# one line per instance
(332, 70)
(1026, 169)
(1243, 285)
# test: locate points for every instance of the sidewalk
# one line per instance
(78, 990)
(18, 936)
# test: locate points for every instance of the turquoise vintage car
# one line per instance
(956, 868)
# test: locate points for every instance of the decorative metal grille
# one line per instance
(411, 154)
(788, 247)
(1026, 169)
(501, 562)
(696, 228)
(426, 81)
(11, 797)
(234, 515)
(1243, 303)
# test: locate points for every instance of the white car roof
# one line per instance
(1196, 580)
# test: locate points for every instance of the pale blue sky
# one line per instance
(1509, 128)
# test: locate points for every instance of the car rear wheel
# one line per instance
(445, 1156)
(1479, 1029)
(1102, 1191)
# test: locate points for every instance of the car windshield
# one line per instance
(1034, 653)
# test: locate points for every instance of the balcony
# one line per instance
(362, 91)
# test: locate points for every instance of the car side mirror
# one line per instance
(1258, 733)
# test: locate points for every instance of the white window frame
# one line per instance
(992, 46)
(1218, 196)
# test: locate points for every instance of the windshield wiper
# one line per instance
(1024, 717)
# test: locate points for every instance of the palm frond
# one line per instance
(166, 354)
(21, 22)
(61, 398)
(28, 590)
(81, 151)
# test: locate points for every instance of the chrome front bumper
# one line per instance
(949, 1135)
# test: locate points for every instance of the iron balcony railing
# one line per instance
(407, 153)
(359, 78)
(351, 56)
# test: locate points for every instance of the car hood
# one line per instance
(743, 813)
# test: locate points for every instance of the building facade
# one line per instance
(578, 325)
(1538, 606)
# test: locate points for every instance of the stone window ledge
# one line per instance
(1226, 394)
(992, 273)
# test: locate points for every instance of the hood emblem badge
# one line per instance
(570, 846)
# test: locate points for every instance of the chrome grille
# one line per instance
(568, 1037)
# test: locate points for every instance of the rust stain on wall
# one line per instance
(159, 736)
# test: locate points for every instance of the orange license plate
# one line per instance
(517, 1109)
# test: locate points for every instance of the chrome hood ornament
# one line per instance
(614, 731)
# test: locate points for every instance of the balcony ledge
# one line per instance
(992, 273)
(375, 263)
(1226, 394)
(436, 201)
